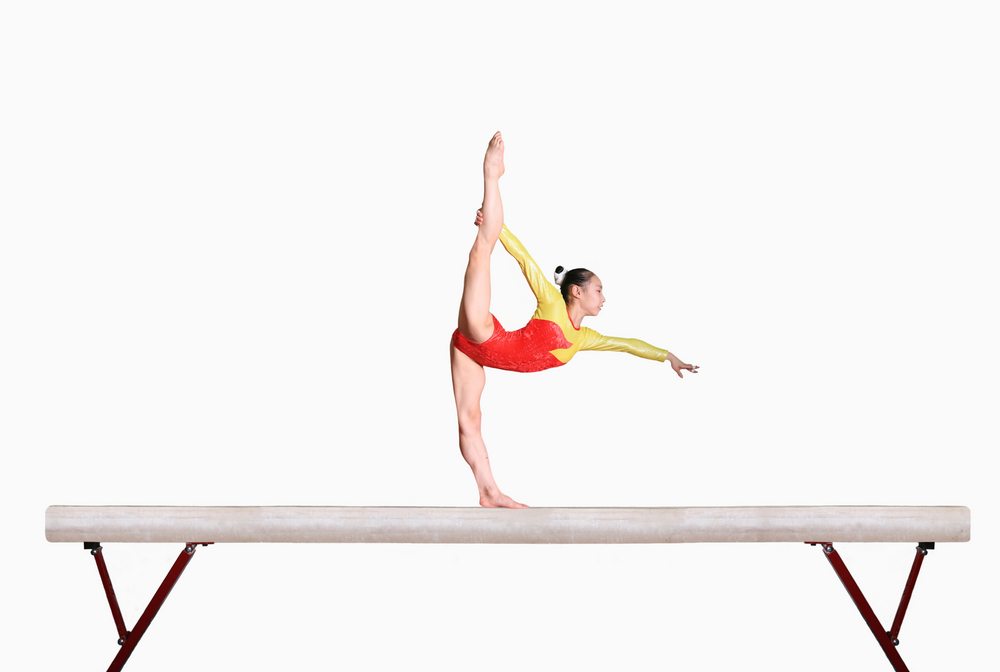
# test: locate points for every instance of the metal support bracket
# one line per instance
(128, 639)
(887, 639)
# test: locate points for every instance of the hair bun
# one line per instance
(559, 275)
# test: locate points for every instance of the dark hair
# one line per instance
(578, 277)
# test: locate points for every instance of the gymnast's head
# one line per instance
(582, 287)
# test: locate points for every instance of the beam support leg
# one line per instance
(885, 638)
(109, 590)
(129, 639)
(911, 581)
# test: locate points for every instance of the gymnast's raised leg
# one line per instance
(476, 323)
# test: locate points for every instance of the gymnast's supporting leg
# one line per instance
(476, 323)
(468, 379)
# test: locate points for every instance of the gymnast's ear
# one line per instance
(559, 275)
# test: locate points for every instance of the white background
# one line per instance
(233, 239)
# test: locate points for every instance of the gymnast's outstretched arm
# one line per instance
(593, 340)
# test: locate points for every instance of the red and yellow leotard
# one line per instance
(549, 339)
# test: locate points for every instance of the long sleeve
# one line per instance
(543, 290)
(593, 340)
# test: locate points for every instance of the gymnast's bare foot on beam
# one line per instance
(496, 499)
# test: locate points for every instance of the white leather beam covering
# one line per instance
(457, 525)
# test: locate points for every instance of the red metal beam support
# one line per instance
(109, 590)
(866, 611)
(911, 581)
(886, 639)
(129, 640)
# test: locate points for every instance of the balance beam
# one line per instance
(204, 525)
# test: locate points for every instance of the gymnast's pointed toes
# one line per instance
(493, 166)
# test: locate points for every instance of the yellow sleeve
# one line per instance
(543, 290)
(593, 340)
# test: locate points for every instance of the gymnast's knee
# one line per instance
(470, 421)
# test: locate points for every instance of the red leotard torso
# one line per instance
(550, 338)
(527, 349)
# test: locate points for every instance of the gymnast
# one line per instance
(551, 338)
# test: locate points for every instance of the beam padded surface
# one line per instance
(460, 525)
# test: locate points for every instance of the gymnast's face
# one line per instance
(591, 296)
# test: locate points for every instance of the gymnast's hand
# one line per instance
(677, 365)
(479, 216)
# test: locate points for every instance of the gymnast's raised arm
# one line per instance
(543, 290)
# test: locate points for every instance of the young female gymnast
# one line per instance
(551, 338)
